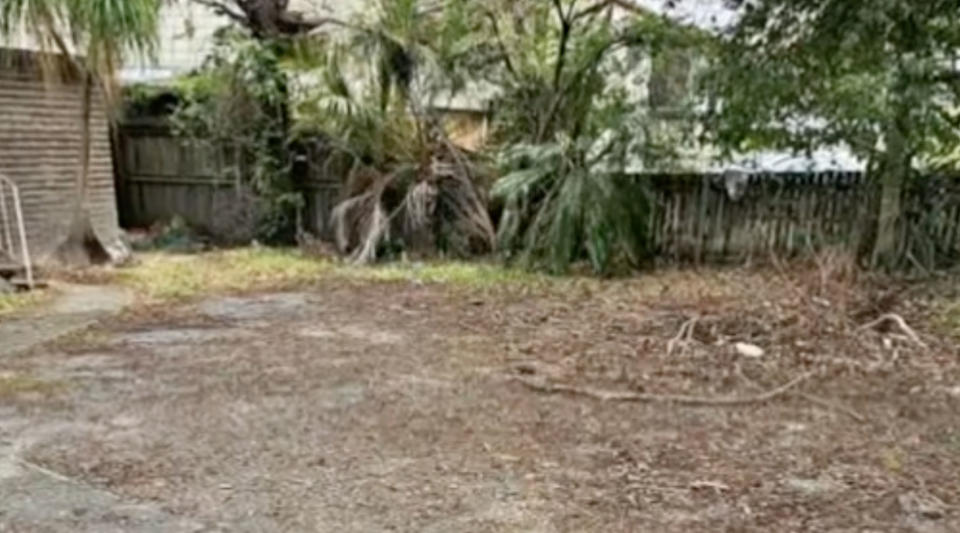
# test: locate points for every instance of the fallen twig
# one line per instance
(901, 323)
(827, 404)
(541, 385)
(684, 335)
(715, 485)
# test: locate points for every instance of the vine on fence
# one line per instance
(238, 102)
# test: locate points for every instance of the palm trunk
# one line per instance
(81, 245)
(85, 142)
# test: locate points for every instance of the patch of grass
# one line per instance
(163, 277)
(892, 459)
(82, 340)
(470, 275)
(947, 319)
(14, 385)
(952, 440)
(12, 303)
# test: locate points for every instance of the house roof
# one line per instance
(833, 159)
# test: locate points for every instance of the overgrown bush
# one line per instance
(570, 122)
(238, 102)
(562, 204)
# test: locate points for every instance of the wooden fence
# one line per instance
(160, 176)
(736, 217)
(701, 218)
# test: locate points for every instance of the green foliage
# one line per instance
(174, 236)
(561, 203)
(804, 74)
(569, 122)
(112, 28)
(379, 80)
(103, 31)
(877, 76)
(238, 103)
(370, 130)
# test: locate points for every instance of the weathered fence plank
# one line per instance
(697, 220)
(694, 217)
(160, 176)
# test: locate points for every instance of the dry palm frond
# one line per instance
(465, 210)
(463, 200)
(443, 208)
(437, 205)
(419, 206)
(361, 222)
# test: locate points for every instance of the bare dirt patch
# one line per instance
(396, 407)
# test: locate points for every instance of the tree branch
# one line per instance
(503, 49)
(588, 11)
(543, 386)
(565, 30)
(221, 9)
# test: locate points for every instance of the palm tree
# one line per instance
(103, 32)
(410, 184)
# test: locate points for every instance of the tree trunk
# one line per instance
(894, 170)
(82, 246)
(85, 143)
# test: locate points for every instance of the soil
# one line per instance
(360, 407)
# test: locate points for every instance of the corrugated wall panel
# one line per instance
(40, 144)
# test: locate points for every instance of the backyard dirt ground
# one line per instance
(364, 406)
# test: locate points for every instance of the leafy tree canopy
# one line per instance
(807, 73)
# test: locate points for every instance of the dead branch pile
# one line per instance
(823, 318)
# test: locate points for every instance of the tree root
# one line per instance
(901, 323)
(541, 385)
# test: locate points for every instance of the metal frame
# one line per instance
(6, 182)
